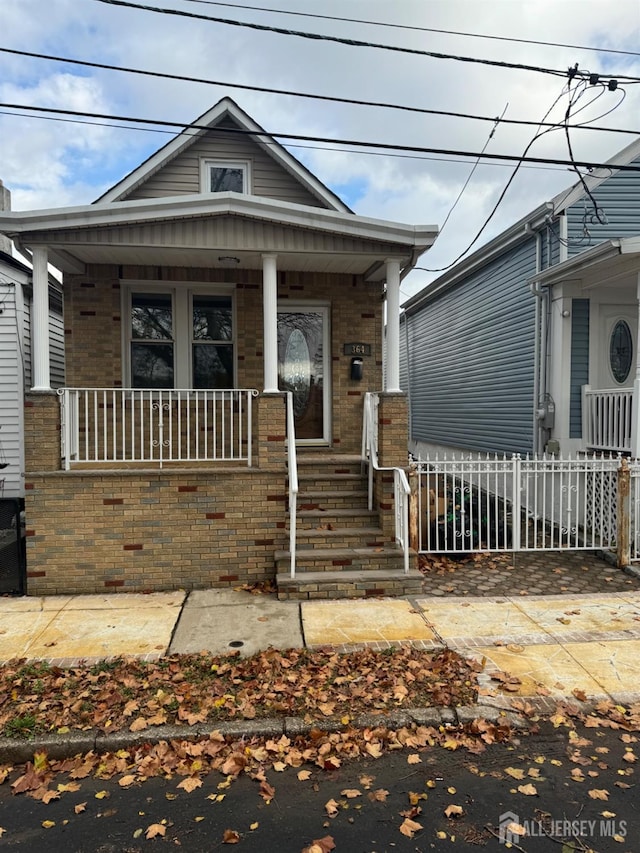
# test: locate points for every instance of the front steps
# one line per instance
(341, 551)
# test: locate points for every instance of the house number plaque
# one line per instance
(357, 349)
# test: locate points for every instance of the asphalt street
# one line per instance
(549, 789)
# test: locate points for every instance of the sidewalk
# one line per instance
(550, 645)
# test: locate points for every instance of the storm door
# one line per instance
(303, 368)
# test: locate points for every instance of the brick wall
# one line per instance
(135, 531)
(393, 429)
(94, 339)
(42, 431)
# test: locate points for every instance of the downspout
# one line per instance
(537, 293)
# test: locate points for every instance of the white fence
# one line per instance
(520, 503)
(124, 425)
(606, 418)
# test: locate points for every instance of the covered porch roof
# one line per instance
(613, 261)
(218, 231)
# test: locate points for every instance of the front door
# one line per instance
(303, 368)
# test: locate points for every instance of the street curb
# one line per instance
(70, 744)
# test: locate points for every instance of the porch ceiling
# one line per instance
(69, 257)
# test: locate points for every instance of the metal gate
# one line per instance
(517, 504)
(12, 548)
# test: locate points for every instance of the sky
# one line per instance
(50, 163)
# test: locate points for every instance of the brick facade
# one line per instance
(136, 531)
(133, 530)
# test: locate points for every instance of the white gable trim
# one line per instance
(224, 107)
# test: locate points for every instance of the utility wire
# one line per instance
(273, 142)
(347, 41)
(290, 93)
(504, 192)
(472, 172)
(356, 143)
(414, 28)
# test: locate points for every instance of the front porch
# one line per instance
(121, 496)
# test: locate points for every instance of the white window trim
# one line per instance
(181, 299)
(207, 162)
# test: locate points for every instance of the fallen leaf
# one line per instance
(190, 784)
(321, 845)
(453, 811)
(598, 794)
(414, 758)
(303, 775)
(331, 808)
(528, 790)
(79, 808)
(230, 836)
(410, 827)
(351, 793)
(155, 829)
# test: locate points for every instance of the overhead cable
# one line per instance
(414, 27)
(356, 143)
(335, 39)
(290, 93)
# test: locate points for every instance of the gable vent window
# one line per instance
(222, 176)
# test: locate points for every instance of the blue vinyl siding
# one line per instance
(470, 359)
(579, 363)
(617, 198)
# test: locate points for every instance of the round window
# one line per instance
(620, 351)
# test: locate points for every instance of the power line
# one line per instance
(290, 93)
(414, 28)
(346, 41)
(356, 143)
(308, 95)
(290, 144)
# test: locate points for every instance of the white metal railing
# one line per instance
(292, 463)
(157, 426)
(606, 418)
(634, 514)
(401, 488)
(497, 503)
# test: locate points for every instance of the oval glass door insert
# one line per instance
(297, 371)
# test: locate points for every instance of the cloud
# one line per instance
(47, 163)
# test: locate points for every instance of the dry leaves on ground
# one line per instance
(190, 689)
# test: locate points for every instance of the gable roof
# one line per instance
(225, 108)
(523, 227)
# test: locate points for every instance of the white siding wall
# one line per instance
(182, 175)
(11, 390)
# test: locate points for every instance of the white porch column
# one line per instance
(270, 312)
(635, 402)
(40, 321)
(392, 361)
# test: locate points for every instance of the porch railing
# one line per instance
(292, 463)
(155, 426)
(401, 488)
(606, 419)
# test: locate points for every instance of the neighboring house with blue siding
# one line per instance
(531, 342)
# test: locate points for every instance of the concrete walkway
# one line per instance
(550, 645)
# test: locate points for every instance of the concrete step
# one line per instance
(349, 584)
(329, 559)
(330, 499)
(341, 537)
(332, 519)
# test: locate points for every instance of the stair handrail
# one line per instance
(292, 462)
(401, 488)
